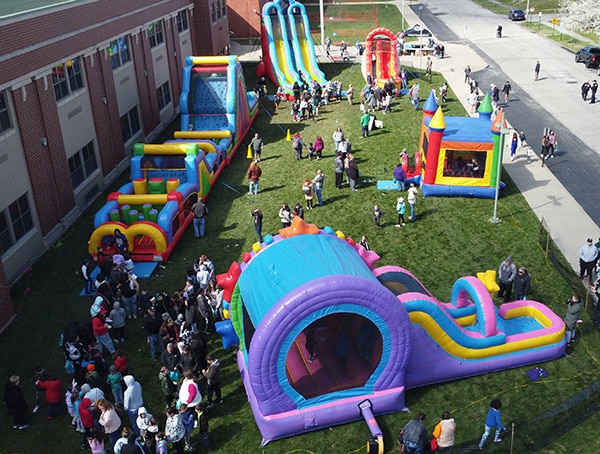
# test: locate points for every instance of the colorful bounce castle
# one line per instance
(380, 60)
(153, 210)
(333, 333)
(287, 47)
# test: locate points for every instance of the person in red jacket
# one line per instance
(121, 362)
(87, 419)
(101, 325)
(53, 387)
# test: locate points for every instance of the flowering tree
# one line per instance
(582, 15)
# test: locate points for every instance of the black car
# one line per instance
(516, 14)
(417, 31)
(588, 55)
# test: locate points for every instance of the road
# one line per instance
(554, 101)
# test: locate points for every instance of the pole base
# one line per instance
(495, 220)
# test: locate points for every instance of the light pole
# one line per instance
(402, 15)
(322, 23)
(503, 132)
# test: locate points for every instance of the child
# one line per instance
(401, 209)
(96, 442)
(143, 421)
(529, 154)
(95, 356)
(311, 151)
(92, 376)
(121, 362)
(77, 422)
(161, 443)
(53, 388)
(202, 426)
(114, 381)
(493, 422)
(213, 377)
(311, 345)
(151, 432)
(71, 390)
(187, 419)
(377, 216)
(40, 374)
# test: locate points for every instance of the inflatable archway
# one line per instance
(380, 60)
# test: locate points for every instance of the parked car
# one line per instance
(588, 55)
(516, 14)
(415, 31)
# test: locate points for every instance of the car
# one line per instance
(516, 14)
(589, 55)
(416, 31)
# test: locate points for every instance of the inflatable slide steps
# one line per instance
(209, 95)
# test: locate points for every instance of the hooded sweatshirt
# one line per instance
(117, 315)
(132, 398)
(85, 413)
(143, 421)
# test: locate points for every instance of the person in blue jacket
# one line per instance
(493, 422)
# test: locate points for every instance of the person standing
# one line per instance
(574, 307)
(537, 70)
(258, 218)
(400, 209)
(257, 146)
(338, 168)
(594, 89)
(352, 172)
(552, 144)
(492, 421)
(213, 379)
(364, 242)
(309, 193)
(412, 201)
(506, 90)
(317, 182)
(522, 284)
(109, 420)
(285, 214)
(399, 176)
(200, 211)
(254, 173)
(364, 124)
(151, 324)
(377, 216)
(514, 144)
(585, 89)
(319, 146)
(588, 256)
(444, 433)
(415, 96)
(132, 401)
(414, 435)
(15, 402)
(506, 276)
(350, 93)
(174, 430)
(467, 74)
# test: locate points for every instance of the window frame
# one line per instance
(183, 23)
(67, 81)
(122, 54)
(17, 220)
(82, 165)
(5, 116)
(156, 35)
(163, 95)
(132, 119)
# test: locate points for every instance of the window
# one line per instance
(119, 52)
(224, 8)
(163, 93)
(218, 8)
(82, 164)
(155, 34)
(15, 222)
(182, 21)
(67, 78)
(213, 14)
(4, 113)
(130, 124)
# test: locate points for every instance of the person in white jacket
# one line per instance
(132, 401)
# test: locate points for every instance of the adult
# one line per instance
(254, 173)
(506, 276)
(414, 435)
(338, 136)
(132, 401)
(499, 31)
(514, 144)
(338, 169)
(319, 145)
(15, 402)
(317, 182)
(174, 430)
(128, 288)
(467, 74)
(537, 70)
(522, 284)
(256, 145)
(119, 240)
(200, 211)
(350, 93)
(552, 143)
(365, 119)
(353, 173)
(309, 193)
(171, 358)
(444, 433)
(258, 218)
(109, 420)
(128, 444)
(594, 89)
(213, 378)
(189, 393)
(588, 256)
(100, 327)
(412, 201)
(585, 89)
(151, 325)
(472, 101)
(94, 394)
(87, 420)
(285, 214)
(415, 95)
(506, 90)
(399, 176)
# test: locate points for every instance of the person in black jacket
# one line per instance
(522, 284)
(14, 399)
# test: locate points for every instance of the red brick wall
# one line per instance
(144, 73)
(100, 84)
(48, 168)
(211, 38)
(243, 22)
(6, 305)
(174, 57)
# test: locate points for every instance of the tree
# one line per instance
(582, 15)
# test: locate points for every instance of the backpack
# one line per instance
(306, 189)
(296, 143)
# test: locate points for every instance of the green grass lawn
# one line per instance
(452, 238)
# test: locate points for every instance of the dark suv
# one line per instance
(516, 14)
(589, 55)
